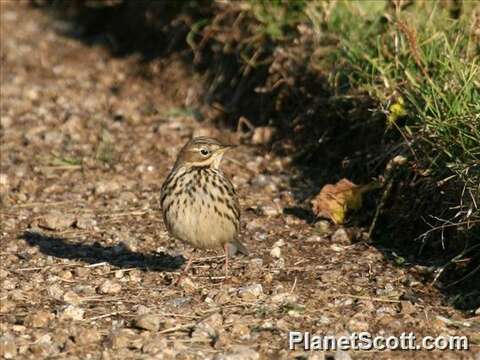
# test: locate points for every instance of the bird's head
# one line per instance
(202, 151)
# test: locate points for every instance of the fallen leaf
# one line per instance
(333, 201)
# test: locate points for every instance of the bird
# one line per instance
(199, 203)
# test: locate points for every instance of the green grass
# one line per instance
(430, 61)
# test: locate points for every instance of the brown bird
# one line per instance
(199, 203)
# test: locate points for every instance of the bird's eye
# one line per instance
(204, 152)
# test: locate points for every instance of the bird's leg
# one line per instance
(189, 264)
(225, 247)
(185, 270)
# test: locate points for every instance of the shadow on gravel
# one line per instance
(95, 253)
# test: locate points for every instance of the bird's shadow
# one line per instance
(117, 255)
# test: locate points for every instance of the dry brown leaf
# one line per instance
(334, 200)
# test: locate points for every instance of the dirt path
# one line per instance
(87, 265)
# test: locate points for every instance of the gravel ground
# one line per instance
(87, 266)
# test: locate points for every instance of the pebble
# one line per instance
(5, 121)
(108, 186)
(255, 264)
(340, 236)
(188, 285)
(87, 336)
(57, 221)
(8, 349)
(263, 135)
(314, 238)
(9, 284)
(72, 298)
(407, 307)
(7, 306)
(155, 345)
(240, 331)
(121, 338)
(180, 301)
(255, 224)
(3, 183)
(323, 227)
(250, 292)
(109, 287)
(55, 291)
(72, 312)
(85, 222)
(342, 355)
(39, 319)
(276, 252)
(269, 210)
(148, 322)
(42, 349)
(239, 353)
(208, 329)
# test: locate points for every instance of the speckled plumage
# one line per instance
(199, 203)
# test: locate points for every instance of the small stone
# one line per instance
(239, 353)
(263, 135)
(276, 252)
(7, 306)
(5, 121)
(340, 236)
(9, 284)
(3, 183)
(255, 224)
(279, 243)
(209, 328)
(357, 325)
(407, 307)
(187, 285)
(282, 298)
(342, 355)
(71, 297)
(66, 275)
(155, 345)
(250, 292)
(81, 271)
(240, 331)
(87, 336)
(57, 221)
(180, 301)
(148, 322)
(142, 310)
(4, 273)
(323, 228)
(314, 239)
(104, 187)
(42, 349)
(8, 349)
(121, 338)
(85, 222)
(316, 356)
(255, 264)
(109, 287)
(55, 291)
(72, 312)
(39, 319)
(269, 210)
(477, 312)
